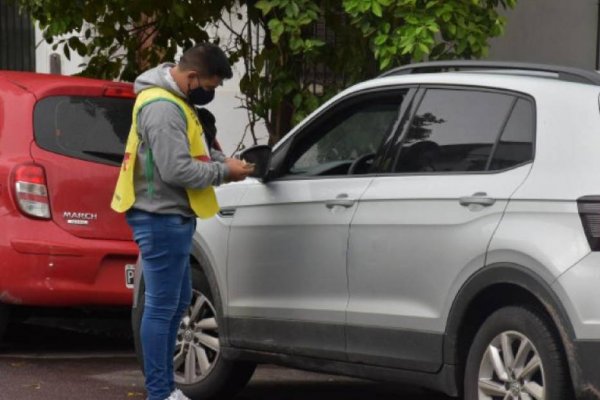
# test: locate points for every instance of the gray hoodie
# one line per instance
(162, 128)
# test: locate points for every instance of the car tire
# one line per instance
(516, 352)
(224, 378)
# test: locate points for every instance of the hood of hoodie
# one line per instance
(157, 77)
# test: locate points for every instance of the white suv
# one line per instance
(427, 227)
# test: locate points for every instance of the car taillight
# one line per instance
(589, 211)
(31, 192)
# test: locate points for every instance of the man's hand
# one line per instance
(238, 169)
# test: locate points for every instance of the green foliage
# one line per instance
(403, 30)
(287, 51)
(296, 53)
(111, 33)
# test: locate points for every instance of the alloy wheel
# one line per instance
(197, 348)
(511, 369)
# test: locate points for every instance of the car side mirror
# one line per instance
(260, 156)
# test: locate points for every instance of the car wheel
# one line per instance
(200, 370)
(516, 356)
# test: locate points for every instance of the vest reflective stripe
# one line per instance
(202, 201)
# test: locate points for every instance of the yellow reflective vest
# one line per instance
(202, 201)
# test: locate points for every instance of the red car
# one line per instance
(61, 143)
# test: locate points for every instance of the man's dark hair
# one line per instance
(208, 60)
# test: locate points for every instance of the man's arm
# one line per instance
(163, 128)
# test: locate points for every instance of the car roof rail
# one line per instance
(569, 74)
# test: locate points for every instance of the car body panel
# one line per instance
(287, 257)
(404, 244)
(577, 289)
(41, 264)
(215, 245)
(75, 208)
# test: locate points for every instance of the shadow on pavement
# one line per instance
(92, 358)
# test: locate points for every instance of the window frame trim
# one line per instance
(533, 129)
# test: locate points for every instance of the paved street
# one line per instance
(40, 362)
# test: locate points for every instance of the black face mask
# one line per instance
(200, 97)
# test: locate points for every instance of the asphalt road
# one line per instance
(42, 362)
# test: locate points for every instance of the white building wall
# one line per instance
(43, 52)
(560, 32)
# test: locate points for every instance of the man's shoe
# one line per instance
(179, 395)
(172, 396)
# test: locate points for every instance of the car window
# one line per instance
(453, 130)
(346, 134)
(516, 143)
(89, 128)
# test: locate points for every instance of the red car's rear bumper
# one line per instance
(41, 264)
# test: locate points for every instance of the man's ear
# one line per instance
(192, 75)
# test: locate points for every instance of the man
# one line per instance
(165, 182)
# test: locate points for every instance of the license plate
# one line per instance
(129, 275)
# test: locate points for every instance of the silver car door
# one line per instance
(287, 271)
(422, 229)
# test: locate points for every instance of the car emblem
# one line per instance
(79, 218)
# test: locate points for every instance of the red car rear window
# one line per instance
(88, 128)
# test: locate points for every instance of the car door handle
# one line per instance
(479, 198)
(226, 212)
(341, 200)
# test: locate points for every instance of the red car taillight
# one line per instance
(31, 191)
(589, 211)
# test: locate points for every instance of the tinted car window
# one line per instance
(516, 144)
(453, 130)
(344, 136)
(89, 128)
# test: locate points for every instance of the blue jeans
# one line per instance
(165, 241)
